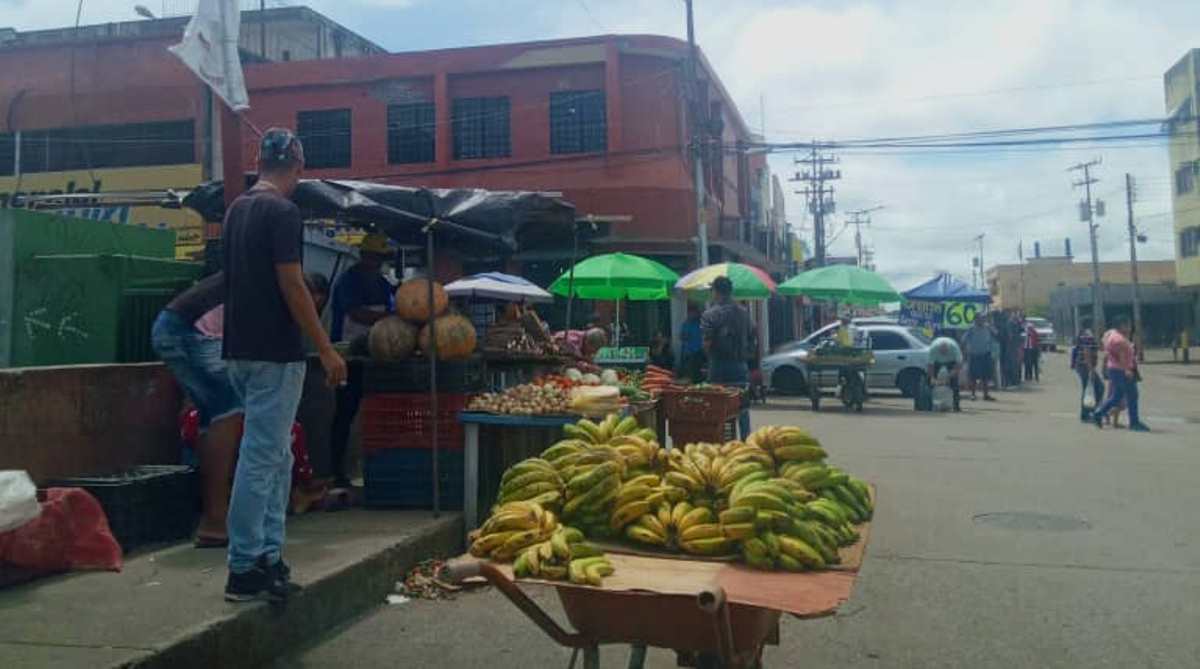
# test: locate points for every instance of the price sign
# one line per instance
(959, 314)
(622, 355)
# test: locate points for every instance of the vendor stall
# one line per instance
(943, 303)
(468, 222)
(843, 284)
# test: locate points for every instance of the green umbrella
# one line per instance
(842, 283)
(616, 276)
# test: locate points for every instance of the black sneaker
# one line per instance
(253, 585)
(281, 575)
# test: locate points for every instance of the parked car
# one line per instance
(1047, 339)
(901, 355)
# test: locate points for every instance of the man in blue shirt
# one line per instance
(692, 345)
(361, 296)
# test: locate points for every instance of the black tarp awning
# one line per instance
(472, 221)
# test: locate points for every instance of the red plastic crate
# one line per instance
(401, 420)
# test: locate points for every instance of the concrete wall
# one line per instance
(1045, 275)
(87, 419)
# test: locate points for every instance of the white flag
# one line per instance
(210, 49)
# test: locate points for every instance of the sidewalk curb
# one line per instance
(255, 635)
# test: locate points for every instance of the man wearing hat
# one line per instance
(361, 296)
(268, 313)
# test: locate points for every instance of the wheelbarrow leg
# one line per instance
(637, 656)
(591, 657)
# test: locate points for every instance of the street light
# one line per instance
(144, 12)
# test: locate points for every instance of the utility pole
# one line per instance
(1021, 265)
(859, 218)
(697, 136)
(262, 28)
(1134, 238)
(820, 197)
(979, 258)
(1088, 213)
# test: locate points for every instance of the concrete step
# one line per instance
(165, 608)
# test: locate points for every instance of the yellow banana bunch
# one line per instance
(692, 473)
(787, 444)
(593, 479)
(511, 528)
(552, 559)
(636, 497)
(642, 456)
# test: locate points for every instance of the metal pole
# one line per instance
(1133, 267)
(433, 391)
(571, 277)
(1097, 298)
(262, 28)
(697, 137)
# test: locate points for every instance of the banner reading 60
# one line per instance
(959, 314)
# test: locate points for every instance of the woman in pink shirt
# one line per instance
(1122, 375)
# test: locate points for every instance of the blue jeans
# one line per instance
(270, 391)
(196, 362)
(1124, 388)
(736, 375)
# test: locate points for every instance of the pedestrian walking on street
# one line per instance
(978, 342)
(1085, 363)
(727, 339)
(1032, 354)
(1122, 374)
(268, 311)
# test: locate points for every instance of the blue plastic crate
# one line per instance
(403, 478)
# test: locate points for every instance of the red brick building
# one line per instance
(604, 120)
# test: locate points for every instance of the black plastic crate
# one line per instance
(412, 376)
(147, 504)
(403, 478)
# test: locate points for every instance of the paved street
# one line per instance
(1007, 536)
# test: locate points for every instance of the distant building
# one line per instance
(107, 108)
(1182, 84)
(1029, 286)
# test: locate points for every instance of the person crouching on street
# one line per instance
(268, 311)
(944, 353)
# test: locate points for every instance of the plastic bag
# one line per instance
(70, 533)
(18, 499)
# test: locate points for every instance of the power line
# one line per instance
(820, 197)
(588, 11)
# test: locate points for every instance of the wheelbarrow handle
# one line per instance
(460, 569)
(712, 601)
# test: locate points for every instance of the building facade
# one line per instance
(606, 121)
(107, 108)
(1028, 286)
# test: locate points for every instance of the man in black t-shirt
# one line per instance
(268, 311)
(725, 327)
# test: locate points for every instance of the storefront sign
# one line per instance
(188, 227)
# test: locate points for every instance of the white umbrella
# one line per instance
(498, 286)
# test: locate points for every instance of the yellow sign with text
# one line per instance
(960, 314)
(187, 224)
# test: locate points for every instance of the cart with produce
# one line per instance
(849, 364)
(697, 549)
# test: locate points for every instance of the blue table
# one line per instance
(471, 421)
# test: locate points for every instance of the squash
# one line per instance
(412, 300)
(455, 337)
(391, 338)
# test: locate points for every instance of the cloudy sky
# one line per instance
(844, 69)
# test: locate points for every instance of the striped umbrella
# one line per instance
(749, 282)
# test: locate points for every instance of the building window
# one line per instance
(326, 137)
(1185, 179)
(481, 128)
(411, 132)
(102, 146)
(1189, 242)
(8, 153)
(578, 122)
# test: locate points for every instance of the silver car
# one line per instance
(901, 355)
(1047, 340)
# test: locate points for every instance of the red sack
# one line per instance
(71, 533)
(302, 471)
